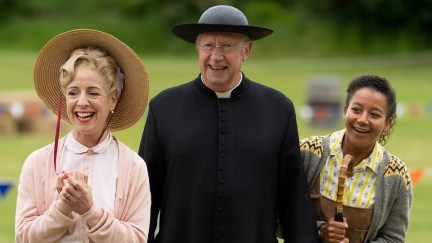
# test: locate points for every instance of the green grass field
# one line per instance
(410, 75)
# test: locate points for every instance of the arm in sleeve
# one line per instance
(32, 224)
(132, 226)
(294, 205)
(396, 224)
(151, 151)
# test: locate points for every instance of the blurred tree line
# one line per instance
(302, 27)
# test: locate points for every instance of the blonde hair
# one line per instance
(91, 57)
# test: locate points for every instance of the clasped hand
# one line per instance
(74, 190)
(334, 231)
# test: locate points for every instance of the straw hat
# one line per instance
(221, 18)
(57, 51)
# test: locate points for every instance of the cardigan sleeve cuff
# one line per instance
(63, 208)
(93, 215)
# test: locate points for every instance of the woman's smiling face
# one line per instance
(365, 119)
(88, 104)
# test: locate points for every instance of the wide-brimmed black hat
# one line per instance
(220, 18)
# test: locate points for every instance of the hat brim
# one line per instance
(57, 51)
(189, 32)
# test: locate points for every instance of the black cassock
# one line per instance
(221, 170)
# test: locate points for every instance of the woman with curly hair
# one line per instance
(378, 191)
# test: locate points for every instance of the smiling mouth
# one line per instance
(360, 130)
(217, 68)
(84, 116)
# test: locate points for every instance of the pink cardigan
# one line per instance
(39, 220)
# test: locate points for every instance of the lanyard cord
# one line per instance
(57, 134)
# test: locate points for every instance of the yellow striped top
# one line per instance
(360, 188)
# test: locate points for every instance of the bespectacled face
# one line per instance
(221, 55)
(88, 105)
(365, 120)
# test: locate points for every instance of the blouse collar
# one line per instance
(74, 146)
(371, 161)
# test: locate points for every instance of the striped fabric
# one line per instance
(360, 188)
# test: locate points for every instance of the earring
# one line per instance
(112, 112)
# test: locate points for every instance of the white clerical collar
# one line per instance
(227, 94)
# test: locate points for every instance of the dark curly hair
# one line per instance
(383, 86)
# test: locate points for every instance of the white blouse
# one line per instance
(359, 189)
(100, 163)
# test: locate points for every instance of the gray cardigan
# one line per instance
(393, 193)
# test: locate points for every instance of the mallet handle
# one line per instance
(341, 187)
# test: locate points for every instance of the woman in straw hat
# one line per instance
(87, 186)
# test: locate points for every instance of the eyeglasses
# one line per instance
(224, 47)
